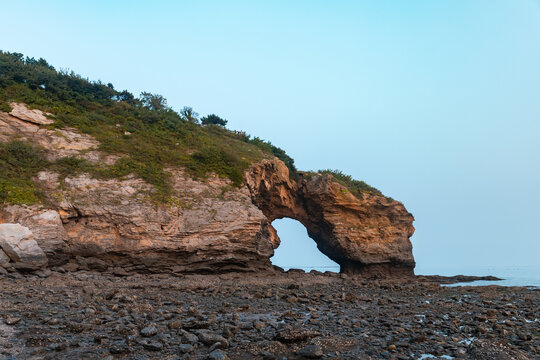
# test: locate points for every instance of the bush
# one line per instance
(356, 187)
(5, 107)
(277, 152)
(144, 131)
(19, 164)
(213, 120)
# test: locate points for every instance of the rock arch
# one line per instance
(297, 250)
(368, 235)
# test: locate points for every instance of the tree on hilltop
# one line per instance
(189, 115)
(213, 119)
(153, 101)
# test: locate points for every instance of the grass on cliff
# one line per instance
(149, 135)
(356, 187)
(19, 163)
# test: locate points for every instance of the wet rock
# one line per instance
(58, 346)
(189, 337)
(209, 339)
(12, 320)
(185, 348)
(218, 355)
(118, 347)
(175, 325)
(76, 308)
(295, 335)
(311, 352)
(151, 345)
(149, 331)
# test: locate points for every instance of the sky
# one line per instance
(436, 103)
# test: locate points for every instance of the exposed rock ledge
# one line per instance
(368, 235)
(211, 227)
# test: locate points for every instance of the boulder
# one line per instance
(45, 224)
(20, 111)
(4, 259)
(18, 243)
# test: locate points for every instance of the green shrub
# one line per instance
(356, 187)
(19, 164)
(147, 134)
(5, 107)
(213, 119)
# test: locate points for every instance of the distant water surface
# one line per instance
(528, 276)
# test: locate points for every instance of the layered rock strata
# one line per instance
(208, 226)
(367, 235)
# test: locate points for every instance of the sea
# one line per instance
(526, 276)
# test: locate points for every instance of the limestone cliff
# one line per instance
(209, 226)
(368, 234)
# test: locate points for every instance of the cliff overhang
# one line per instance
(367, 234)
(209, 226)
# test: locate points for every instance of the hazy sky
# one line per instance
(436, 103)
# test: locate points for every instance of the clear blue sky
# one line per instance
(436, 103)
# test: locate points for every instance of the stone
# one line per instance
(295, 335)
(185, 348)
(18, 243)
(4, 259)
(118, 347)
(151, 345)
(189, 337)
(71, 267)
(149, 331)
(208, 339)
(311, 351)
(12, 320)
(218, 355)
(44, 273)
(20, 111)
(175, 325)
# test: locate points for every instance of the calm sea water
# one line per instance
(513, 275)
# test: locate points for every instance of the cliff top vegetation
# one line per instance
(147, 133)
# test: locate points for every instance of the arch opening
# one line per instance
(297, 250)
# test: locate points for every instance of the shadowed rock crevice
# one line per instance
(367, 235)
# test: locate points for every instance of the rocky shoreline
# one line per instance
(272, 315)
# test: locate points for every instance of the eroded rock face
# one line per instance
(368, 235)
(208, 226)
(116, 222)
